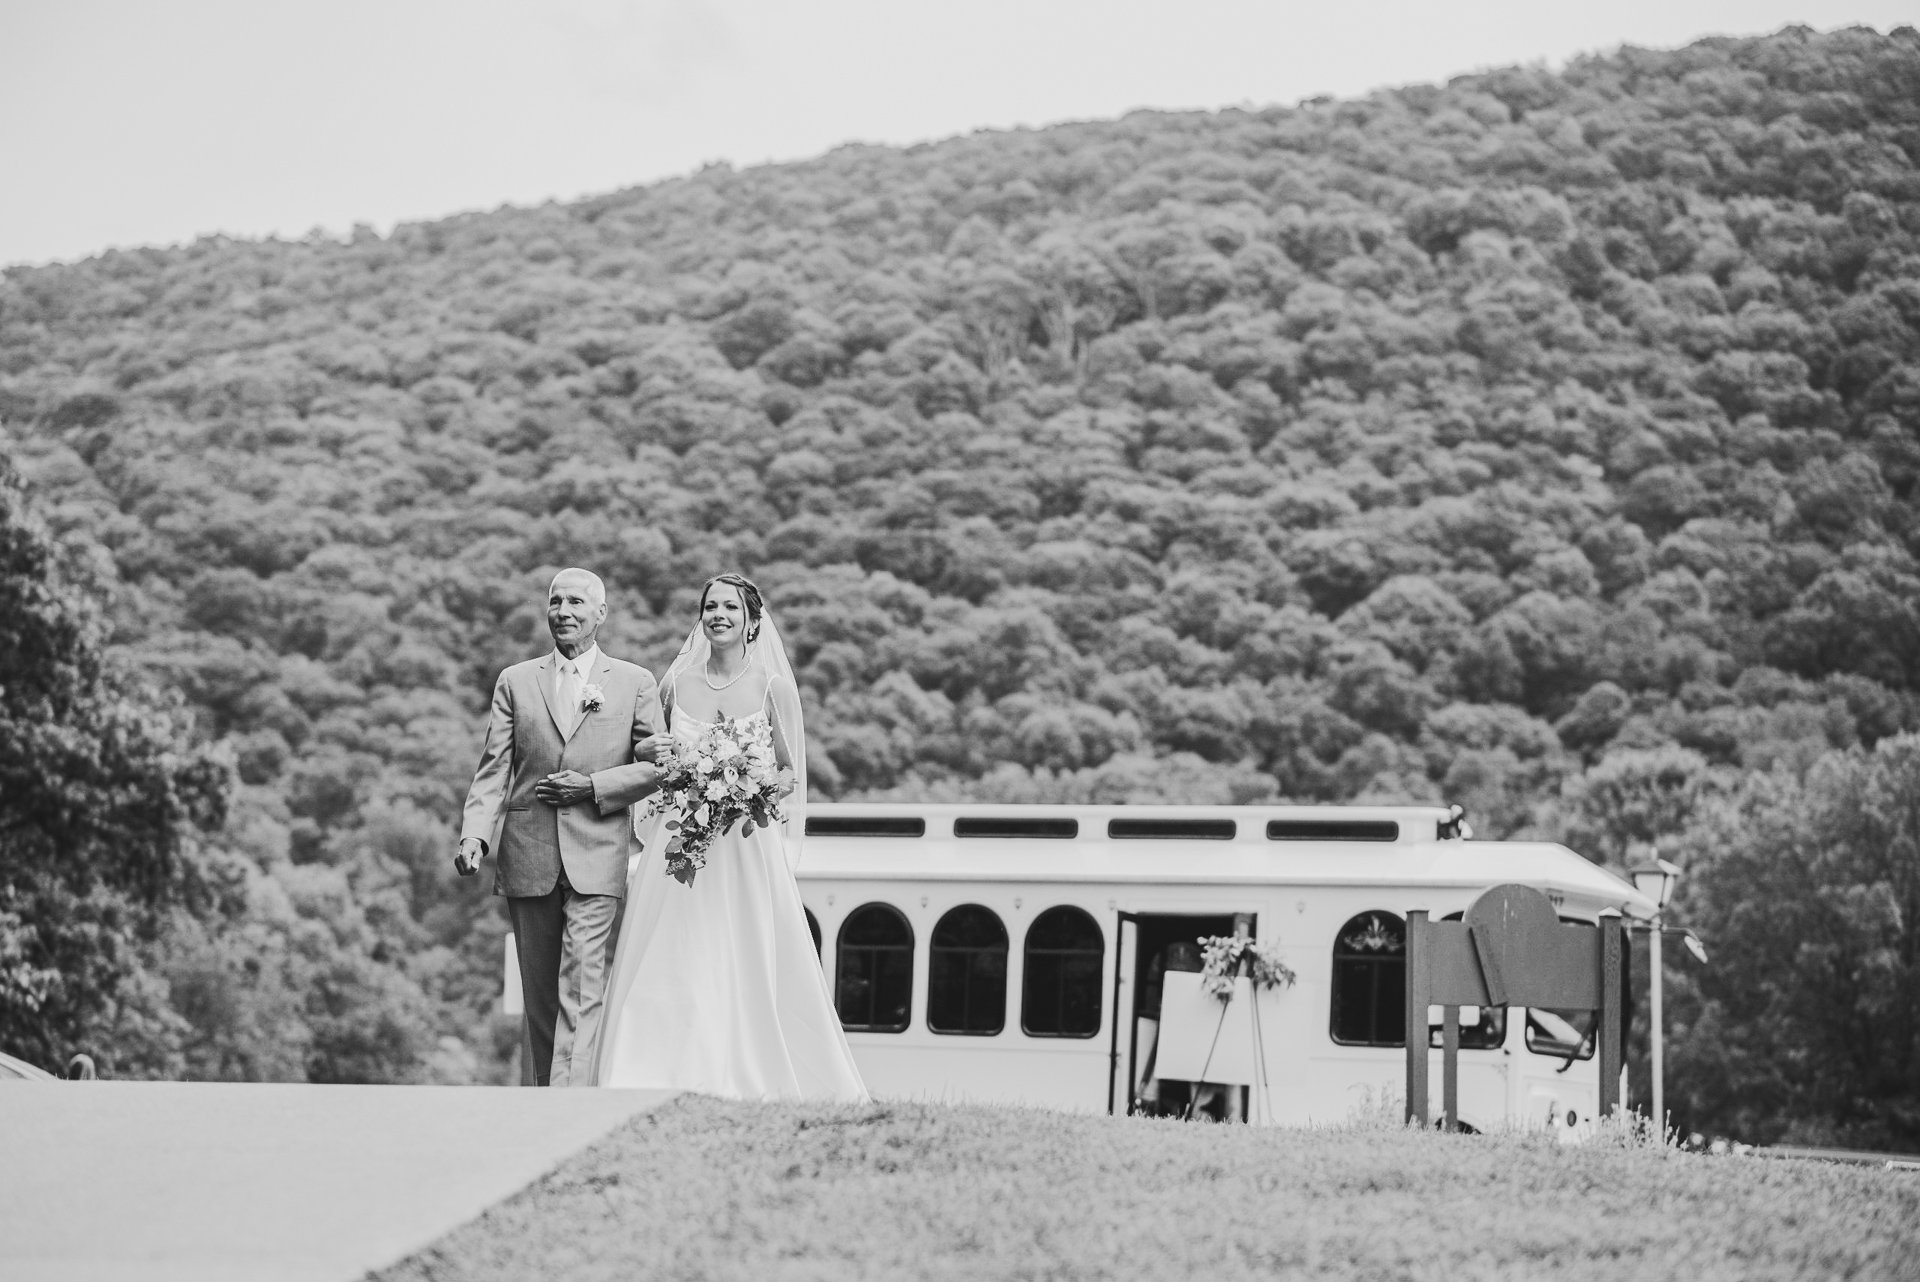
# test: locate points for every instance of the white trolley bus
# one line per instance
(1021, 953)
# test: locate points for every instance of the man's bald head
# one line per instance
(596, 591)
(576, 607)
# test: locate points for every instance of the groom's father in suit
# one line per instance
(568, 751)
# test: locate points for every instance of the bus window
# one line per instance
(1489, 1029)
(875, 973)
(1567, 1034)
(1061, 996)
(813, 928)
(1563, 1034)
(967, 973)
(1370, 981)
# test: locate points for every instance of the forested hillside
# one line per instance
(1544, 442)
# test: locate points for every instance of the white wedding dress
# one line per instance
(716, 986)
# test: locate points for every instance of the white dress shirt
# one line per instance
(583, 664)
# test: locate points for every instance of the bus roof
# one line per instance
(1386, 846)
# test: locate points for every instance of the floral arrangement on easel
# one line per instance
(1223, 958)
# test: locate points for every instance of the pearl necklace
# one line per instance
(706, 673)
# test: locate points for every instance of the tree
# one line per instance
(102, 797)
(1806, 1026)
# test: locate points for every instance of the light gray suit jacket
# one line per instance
(531, 840)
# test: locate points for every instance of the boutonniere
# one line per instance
(591, 697)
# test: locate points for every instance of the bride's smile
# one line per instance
(722, 615)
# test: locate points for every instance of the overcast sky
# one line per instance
(126, 122)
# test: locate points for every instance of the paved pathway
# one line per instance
(160, 1181)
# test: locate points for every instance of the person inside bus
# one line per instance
(1147, 1022)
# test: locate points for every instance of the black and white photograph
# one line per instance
(738, 641)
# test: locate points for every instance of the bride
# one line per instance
(716, 986)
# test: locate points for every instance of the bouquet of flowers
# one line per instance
(1221, 957)
(729, 775)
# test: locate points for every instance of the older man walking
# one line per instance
(569, 748)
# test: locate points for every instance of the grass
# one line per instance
(706, 1189)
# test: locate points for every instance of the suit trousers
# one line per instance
(565, 942)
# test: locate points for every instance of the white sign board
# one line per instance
(1205, 1040)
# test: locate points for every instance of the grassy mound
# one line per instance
(707, 1189)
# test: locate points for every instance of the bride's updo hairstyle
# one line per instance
(749, 597)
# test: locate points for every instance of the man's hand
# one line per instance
(568, 788)
(467, 861)
(648, 749)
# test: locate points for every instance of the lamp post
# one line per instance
(1656, 879)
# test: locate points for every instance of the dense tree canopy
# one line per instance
(1807, 1025)
(1545, 442)
(102, 794)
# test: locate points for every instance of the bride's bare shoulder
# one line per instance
(764, 688)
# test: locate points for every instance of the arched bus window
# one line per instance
(813, 928)
(875, 973)
(1489, 1029)
(1061, 996)
(1370, 981)
(967, 973)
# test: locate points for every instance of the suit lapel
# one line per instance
(545, 679)
(602, 674)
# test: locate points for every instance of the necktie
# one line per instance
(569, 696)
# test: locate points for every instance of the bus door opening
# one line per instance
(1163, 942)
